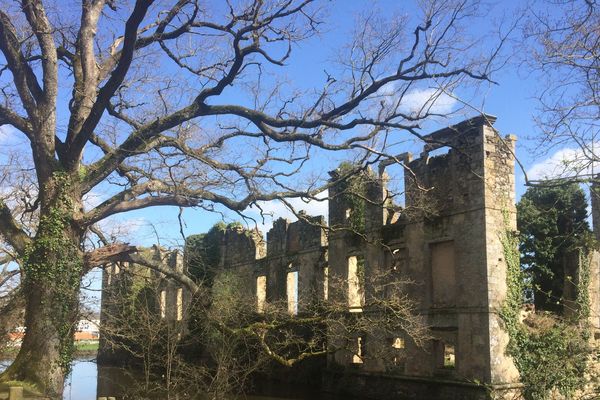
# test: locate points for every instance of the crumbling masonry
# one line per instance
(449, 246)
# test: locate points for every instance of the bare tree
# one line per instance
(222, 339)
(135, 332)
(565, 43)
(183, 103)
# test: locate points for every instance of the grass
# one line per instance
(86, 346)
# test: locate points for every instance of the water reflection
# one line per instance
(81, 384)
(88, 381)
(124, 384)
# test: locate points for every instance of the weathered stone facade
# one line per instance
(594, 283)
(120, 280)
(445, 239)
(452, 251)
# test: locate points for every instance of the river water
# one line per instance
(83, 381)
(82, 384)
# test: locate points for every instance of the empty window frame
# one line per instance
(356, 279)
(326, 283)
(179, 304)
(347, 214)
(398, 354)
(398, 343)
(397, 261)
(109, 273)
(163, 304)
(357, 357)
(394, 200)
(445, 355)
(261, 293)
(449, 356)
(292, 292)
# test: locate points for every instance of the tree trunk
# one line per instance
(44, 355)
(52, 269)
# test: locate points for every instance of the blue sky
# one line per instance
(512, 100)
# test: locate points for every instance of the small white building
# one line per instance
(87, 329)
(89, 325)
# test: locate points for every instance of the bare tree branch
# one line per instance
(77, 140)
(11, 231)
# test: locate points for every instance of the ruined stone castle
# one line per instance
(449, 245)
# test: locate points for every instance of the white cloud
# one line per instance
(124, 229)
(416, 102)
(567, 162)
(428, 100)
(272, 210)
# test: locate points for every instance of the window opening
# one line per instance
(357, 358)
(449, 356)
(179, 304)
(326, 283)
(356, 278)
(348, 213)
(394, 194)
(163, 304)
(398, 343)
(261, 293)
(292, 292)
(398, 354)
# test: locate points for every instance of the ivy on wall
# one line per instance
(202, 253)
(550, 351)
(553, 224)
(54, 257)
(354, 194)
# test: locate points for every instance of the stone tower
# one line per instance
(447, 240)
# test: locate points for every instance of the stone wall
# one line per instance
(298, 247)
(594, 288)
(448, 235)
(444, 237)
(120, 289)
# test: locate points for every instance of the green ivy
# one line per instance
(514, 279)
(53, 261)
(202, 253)
(553, 223)
(583, 296)
(550, 352)
(354, 195)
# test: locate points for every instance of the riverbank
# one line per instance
(86, 349)
(80, 384)
(83, 349)
(27, 393)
